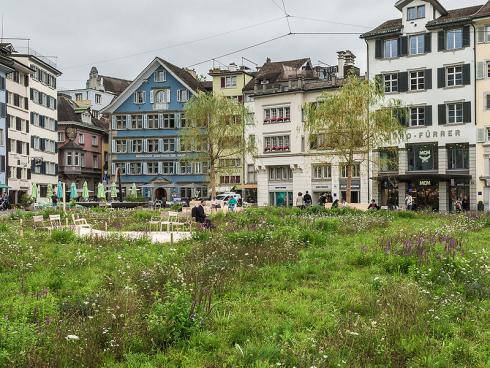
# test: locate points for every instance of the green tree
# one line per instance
(351, 122)
(214, 131)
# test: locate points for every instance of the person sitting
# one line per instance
(200, 215)
(373, 205)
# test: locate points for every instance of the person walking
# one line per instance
(232, 203)
(300, 200)
(409, 202)
(307, 199)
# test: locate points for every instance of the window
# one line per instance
(417, 80)
(390, 48)
(152, 121)
(458, 156)
(78, 96)
(168, 144)
(2, 142)
(152, 168)
(95, 141)
(422, 157)
(139, 97)
(230, 82)
(454, 76)
(277, 115)
(50, 168)
(185, 192)
(455, 112)
(388, 160)
(454, 39)
(182, 95)
(121, 167)
(61, 136)
(185, 167)
(391, 83)
(323, 171)
(416, 12)
(167, 167)
(160, 76)
(162, 96)
(95, 160)
(230, 162)
(81, 138)
(121, 145)
(137, 146)
(137, 122)
(121, 122)
(277, 144)
(280, 173)
(135, 168)
(356, 170)
(417, 44)
(98, 99)
(230, 179)
(168, 121)
(152, 145)
(251, 174)
(417, 116)
(74, 158)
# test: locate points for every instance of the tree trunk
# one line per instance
(349, 183)
(212, 180)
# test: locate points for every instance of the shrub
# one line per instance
(62, 236)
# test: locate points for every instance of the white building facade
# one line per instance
(43, 121)
(426, 60)
(285, 163)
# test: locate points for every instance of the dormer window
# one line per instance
(391, 48)
(416, 12)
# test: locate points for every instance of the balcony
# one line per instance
(270, 149)
(157, 106)
(71, 170)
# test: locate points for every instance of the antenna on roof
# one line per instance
(323, 63)
(250, 61)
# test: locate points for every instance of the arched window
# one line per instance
(161, 97)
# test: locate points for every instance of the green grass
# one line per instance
(267, 288)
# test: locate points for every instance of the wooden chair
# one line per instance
(81, 222)
(55, 222)
(38, 222)
(157, 221)
(173, 221)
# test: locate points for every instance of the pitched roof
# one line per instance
(390, 26)
(184, 75)
(114, 85)
(455, 16)
(436, 4)
(483, 12)
(69, 111)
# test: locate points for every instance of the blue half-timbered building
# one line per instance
(144, 136)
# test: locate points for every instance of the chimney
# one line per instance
(92, 79)
(232, 67)
(268, 60)
(346, 63)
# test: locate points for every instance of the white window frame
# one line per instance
(419, 113)
(419, 48)
(182, 95)
(135, 168)
(391, 80)
(452, 40)
(230, 81)
(453, 75)
(417, 14)
(158, 75)
(322, 171)
(140, 97)
(392, 50)
(81, 138)
(418, 76)
(458, 108)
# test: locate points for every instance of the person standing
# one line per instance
(307, 199)
(232, 202)
(300, 200)
(409, 202)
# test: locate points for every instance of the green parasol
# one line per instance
(85, 191)
(34, 191)
(101, 192)
(133, 192)
(73, 191)
(113, 191)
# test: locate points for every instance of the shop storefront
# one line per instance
(355, 190)
(459, 190)
(389, 193)
(281, 198)
(425, 194)
(322, 189)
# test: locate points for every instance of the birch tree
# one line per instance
(351, 122)
(214, 131)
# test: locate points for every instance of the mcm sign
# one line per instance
(425, 156)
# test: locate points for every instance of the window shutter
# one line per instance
(441, 77)
(467, 112)
(428, 78)
(480, 34)
(403, 46)
(113, 169)
(480, 70)
(441, 40)
(56, 170)
(428, 42)
(152, 96)
(160, 121)
(32, 141)
(222, 82)
(29, 174)
(167, 95)
(27, 127)
(32, 94)
(19, 173)
(27, 146)
(428, 115)
(43, 144)
(113, 122)
(144, 168)
(466, 74)
(402, 114)
(403, 82)
(145, 119)
(481, 136)
(466, 36)
(442, 114)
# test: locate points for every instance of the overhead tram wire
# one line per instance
(287, 16)
(176, 45)
(330, 21)
(279, 6)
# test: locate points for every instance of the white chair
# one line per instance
(54, 222)
(81, 222)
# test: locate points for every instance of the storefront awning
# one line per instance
(418, 176)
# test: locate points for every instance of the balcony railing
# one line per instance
(161, 106)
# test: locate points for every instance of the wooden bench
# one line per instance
(38, 222)
(80, 222)
(55, 222)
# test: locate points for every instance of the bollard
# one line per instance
(171, 238)
(105, 225)
(66, 221)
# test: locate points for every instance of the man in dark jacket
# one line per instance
(200, 215)
(307, 199)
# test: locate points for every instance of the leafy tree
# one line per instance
(214, 131)
(351, 122)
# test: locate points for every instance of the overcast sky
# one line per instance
(121, 37)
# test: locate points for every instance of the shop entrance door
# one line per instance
(426, 197)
